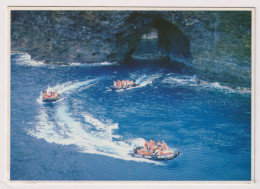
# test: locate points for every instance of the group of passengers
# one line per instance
(49, 94)
(151, 149)
(123, 83)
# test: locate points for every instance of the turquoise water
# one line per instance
(88, 133)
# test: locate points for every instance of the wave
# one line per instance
(175, 80)
(26, 60)
(94, 64)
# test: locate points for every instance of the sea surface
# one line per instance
(88, 133)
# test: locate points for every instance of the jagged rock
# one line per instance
(216, 43)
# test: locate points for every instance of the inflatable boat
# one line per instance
(119, 88)
(170, 154)
(49, 96)
(51, 99)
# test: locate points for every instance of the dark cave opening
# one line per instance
(154, 39)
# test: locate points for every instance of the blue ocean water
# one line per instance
(88, 133)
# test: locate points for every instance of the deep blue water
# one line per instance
(88, 134)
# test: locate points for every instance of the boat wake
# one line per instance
(174, 80)
(144, 79)
(86, 132)
(140, 81)
(72, 124)
(60, 125)
(69, 87)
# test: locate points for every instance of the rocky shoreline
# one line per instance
(216, 43)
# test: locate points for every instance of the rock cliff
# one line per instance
(216, 43)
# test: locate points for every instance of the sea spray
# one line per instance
(66, 130)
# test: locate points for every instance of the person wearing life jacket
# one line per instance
(158, 151)
(119, 83)
(145, 152)
(49, 94)
(146, 143)
(44, 95)
(152, 145)
(139, 151)
(159, 144)
(164, 146)
(56, 95)
(115, 83)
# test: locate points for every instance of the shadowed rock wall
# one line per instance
(216, 43)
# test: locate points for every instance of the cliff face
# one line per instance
(216, 43)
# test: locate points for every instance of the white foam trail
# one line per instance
(26, 60)
(93, 64)
(44, 128)
(193, 81)
(181, 80)
(93, 136)
(98, 125)
(227, 89)
(144, 79)
(69, 87)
